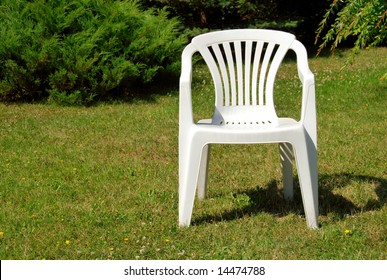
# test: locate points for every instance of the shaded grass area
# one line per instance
(101, 182)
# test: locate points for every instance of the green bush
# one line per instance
(81, 50)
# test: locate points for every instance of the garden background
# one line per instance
(89, 125)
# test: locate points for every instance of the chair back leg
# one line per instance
(286, 157)
(203, 172)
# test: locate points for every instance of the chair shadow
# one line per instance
(270, 199)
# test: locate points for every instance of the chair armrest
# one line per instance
(185, 94)
(308, 110)
(304, 72)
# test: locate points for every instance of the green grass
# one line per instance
(101, 182)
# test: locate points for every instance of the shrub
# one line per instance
(82, 50)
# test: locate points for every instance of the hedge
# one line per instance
(79, 51)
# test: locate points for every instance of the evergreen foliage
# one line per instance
(75, 52)
(363, 20)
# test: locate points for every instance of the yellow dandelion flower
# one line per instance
(75, 169)
(126, 239)
(1, 233)
(67, 242)
(347, 232)
(167, 240)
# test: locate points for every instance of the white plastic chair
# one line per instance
(243, 64)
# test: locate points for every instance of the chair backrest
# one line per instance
(243, 64)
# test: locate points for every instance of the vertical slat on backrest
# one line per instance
(254, 80)
(275, 64)
(248, 50)
(231, 69)
(262, 75)
(239, 63)
(223, 71)
(210, 61)
(228, 55)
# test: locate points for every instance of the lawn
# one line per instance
(101, 182)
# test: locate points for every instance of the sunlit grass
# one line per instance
(101, 182)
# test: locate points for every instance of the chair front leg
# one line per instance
(189, 163)
(306, 160)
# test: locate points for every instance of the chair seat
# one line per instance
(282, 130)
(252, 124)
